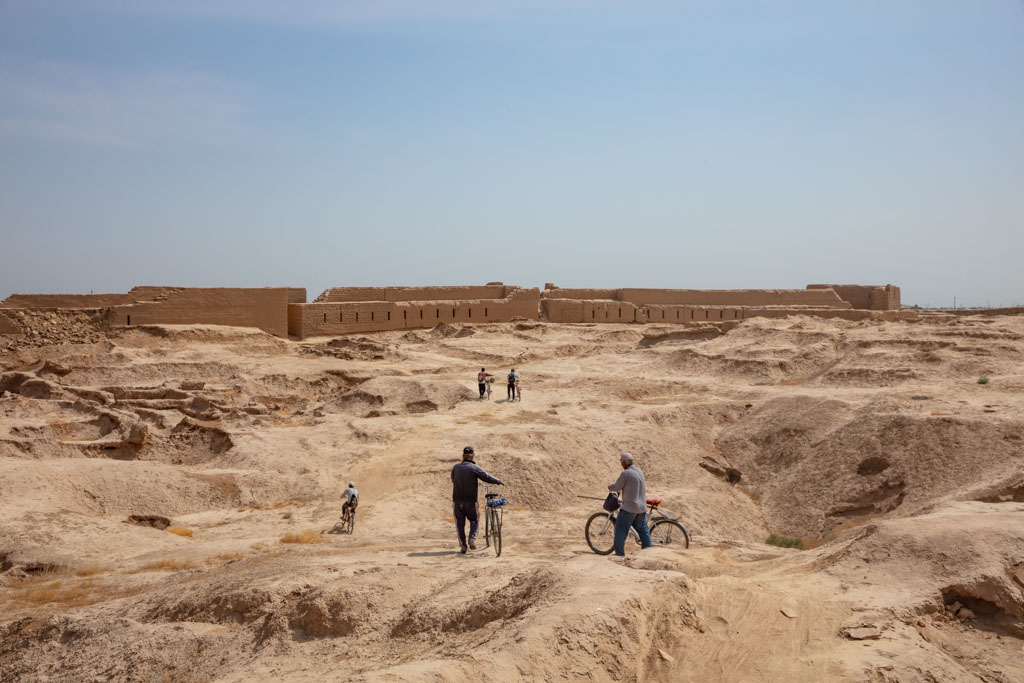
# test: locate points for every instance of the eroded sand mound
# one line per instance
(168, 503)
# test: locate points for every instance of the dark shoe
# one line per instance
(463, 550)
(472, 545)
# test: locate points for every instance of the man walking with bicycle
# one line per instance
(632, 511)
(464, 496)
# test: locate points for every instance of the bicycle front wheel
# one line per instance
(669, 532)
(600, 532)
(497, 534)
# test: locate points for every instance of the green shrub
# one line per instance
(785, 541)
(983, 380)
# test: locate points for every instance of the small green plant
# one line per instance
(983, 380)
(785, 541)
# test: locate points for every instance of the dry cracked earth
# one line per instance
(169, 499)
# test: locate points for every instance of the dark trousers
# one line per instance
(623, 521)
(483, 388)
(464, 511)
(511, 391)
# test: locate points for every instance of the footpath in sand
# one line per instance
(168, 497)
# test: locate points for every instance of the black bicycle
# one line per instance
(493, 513)
(665, 528)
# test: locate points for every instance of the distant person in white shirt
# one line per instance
(481, 381)
(351, 496)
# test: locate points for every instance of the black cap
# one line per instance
(468, 450)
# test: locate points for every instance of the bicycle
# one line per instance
(665, 528)
(348, 517)
(489, 382)
(494, 510)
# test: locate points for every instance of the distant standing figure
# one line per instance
(512, 379)
(464, 494)
(481, 381)
(632, 512)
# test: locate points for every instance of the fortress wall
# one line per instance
(334, 318)
(867, 297)
(818, 296)
(265, 308)
(589, 311)
(552, 292)
(693, 314)
(733, 297)
(296, 295)
(85, 300)
(456, 293)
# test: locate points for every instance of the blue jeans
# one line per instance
(624, 520)
(464, 511)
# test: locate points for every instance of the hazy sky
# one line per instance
(712, 144)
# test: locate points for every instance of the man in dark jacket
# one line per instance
(464, 478)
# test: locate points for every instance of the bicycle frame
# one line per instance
(659, 522)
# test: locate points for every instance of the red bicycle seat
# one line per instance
(654, 501)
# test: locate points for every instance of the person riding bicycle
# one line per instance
(464, 496)
(512, 379)
(632, 511)
(351, 496)
(481, 381)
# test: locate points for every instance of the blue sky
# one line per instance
(725, 144)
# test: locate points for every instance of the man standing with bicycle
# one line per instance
(464, 496)
(632, 511)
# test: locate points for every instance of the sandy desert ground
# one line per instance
(149, 476)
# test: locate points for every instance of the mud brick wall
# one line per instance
(701, 297)
(589, 310)
(456, 293)
(326, 318)
(693, 314)
(86, 300)
(733, 297)
(264, 307)
(553, 292)
(867, 297)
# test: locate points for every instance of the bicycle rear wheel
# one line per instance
(600, 531)
(497, 533)
(351, 523)
(487, 527)
(669, 532)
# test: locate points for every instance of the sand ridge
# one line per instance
(872, 441)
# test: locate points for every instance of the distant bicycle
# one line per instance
(665, 528)
(489, 381)
(348, 517)
(493, 513)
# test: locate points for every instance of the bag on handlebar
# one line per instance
(611, 503)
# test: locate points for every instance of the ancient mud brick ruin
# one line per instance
(851, 302)
(369, 309)
(263, 307)
(283, 311)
